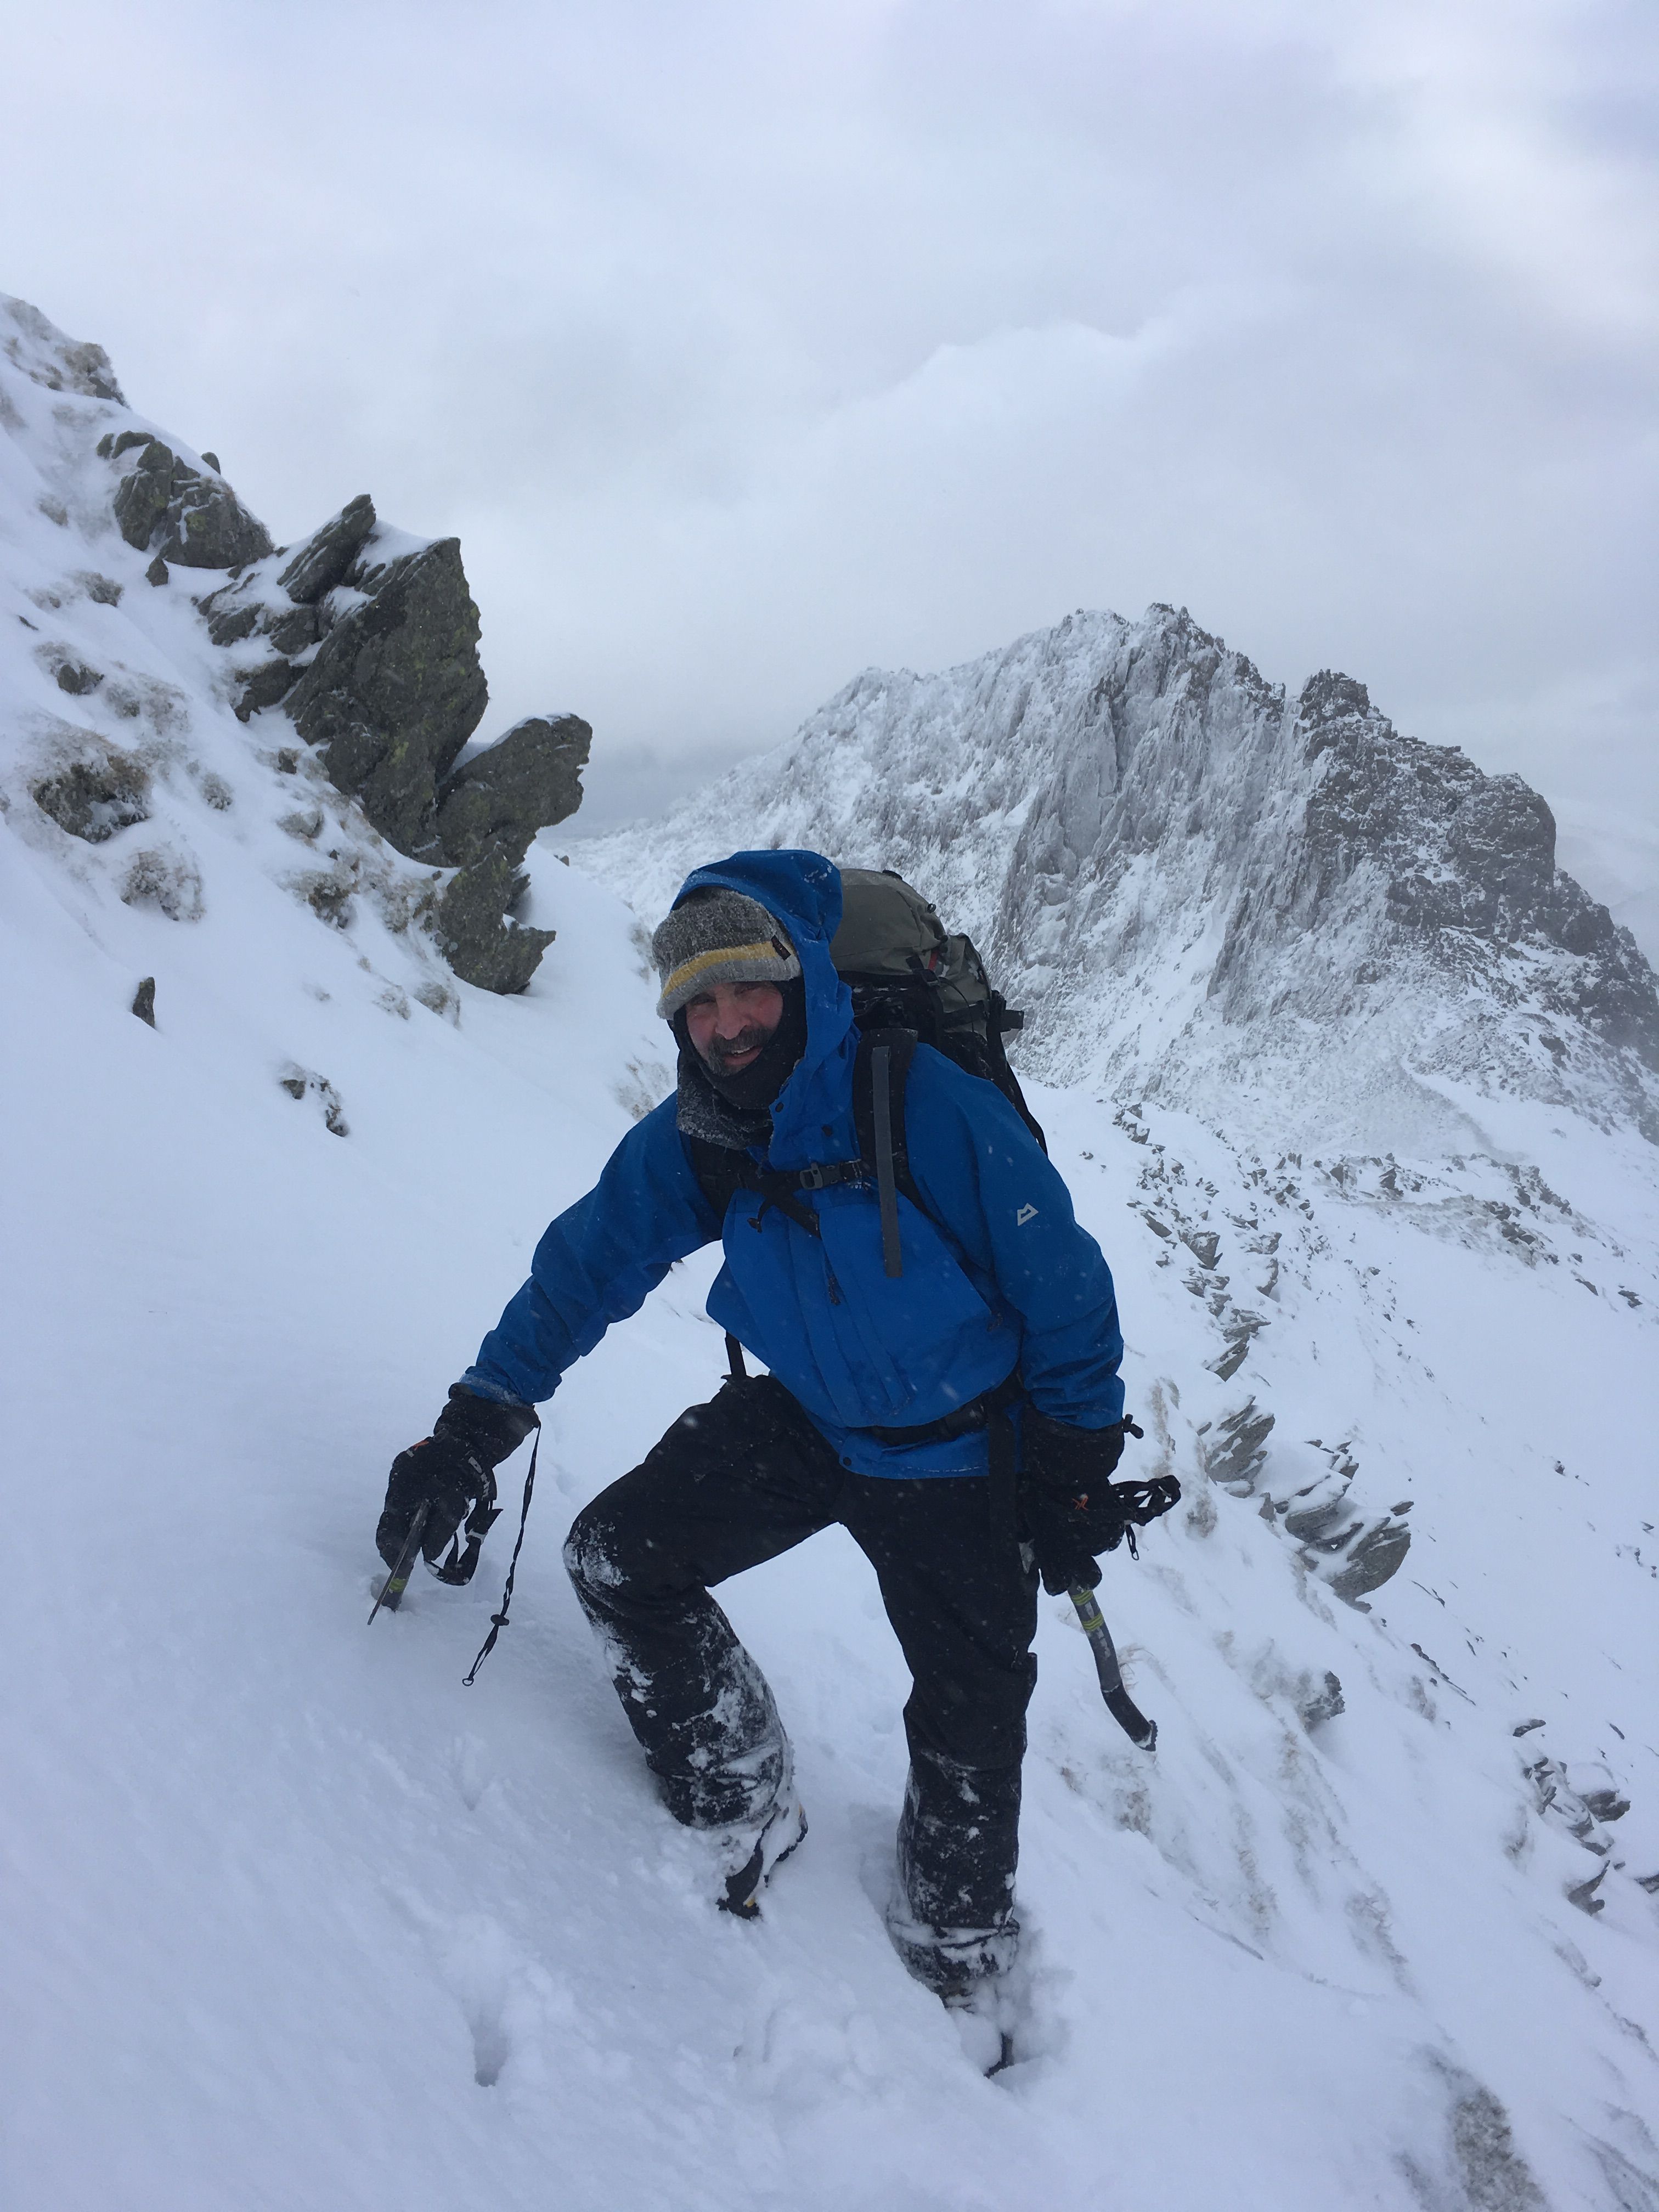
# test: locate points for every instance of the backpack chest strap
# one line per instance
(880, 1072)
(784, 1187)
(821, 1175)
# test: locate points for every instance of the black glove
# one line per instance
(1072, 1509)
(453, 1471)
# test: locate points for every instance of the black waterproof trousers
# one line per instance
(742, 1480)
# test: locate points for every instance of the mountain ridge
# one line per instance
(1205, 892)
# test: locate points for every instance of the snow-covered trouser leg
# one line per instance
(732, 1483)
(958, 1843)
(741, 1480)
(964, 1609)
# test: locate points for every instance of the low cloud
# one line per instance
(745, 348)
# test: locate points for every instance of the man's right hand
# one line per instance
(453, 1471)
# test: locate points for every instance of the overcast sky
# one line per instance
(746, 345)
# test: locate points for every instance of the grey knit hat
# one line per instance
(719, 936)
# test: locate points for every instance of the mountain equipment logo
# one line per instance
(1026, 1214)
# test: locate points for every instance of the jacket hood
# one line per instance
(813, 1118)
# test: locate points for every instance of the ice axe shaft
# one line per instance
(1121, 1706)
(392, 1588)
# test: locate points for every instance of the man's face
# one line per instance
(730, 1022)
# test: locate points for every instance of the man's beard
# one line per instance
(720, 1052)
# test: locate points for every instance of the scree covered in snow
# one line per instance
(294, 1920)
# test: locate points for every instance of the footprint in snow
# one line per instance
(510, 2002)
(474, 1770)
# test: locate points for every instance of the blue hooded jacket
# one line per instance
(997, 1272)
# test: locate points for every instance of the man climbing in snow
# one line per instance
(897, 1384)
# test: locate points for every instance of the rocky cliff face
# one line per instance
(1277, 910)
(362, 639)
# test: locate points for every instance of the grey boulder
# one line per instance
(196, 520)
(323, 561)
(475, 931)
(528, 779)
(395, 691)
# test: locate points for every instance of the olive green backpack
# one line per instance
(906, 971)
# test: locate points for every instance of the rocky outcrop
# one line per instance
(327, 554)
(530, 779)
(476, 931)
(290, 612)
(1461, 852)
(40, 349)
(367, 636)
(488, 810)
(193, 520)
(1277, 910)
(395, 690)
(370, 644)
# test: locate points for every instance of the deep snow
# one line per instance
(294, 1920)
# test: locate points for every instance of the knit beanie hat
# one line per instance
(719, 936)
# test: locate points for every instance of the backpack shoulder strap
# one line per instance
(879, 1075)
(718, 1171)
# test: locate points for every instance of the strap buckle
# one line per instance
(828, 1174)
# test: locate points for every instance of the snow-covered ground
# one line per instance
(294, 1920)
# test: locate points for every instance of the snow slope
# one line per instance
(294, 1920)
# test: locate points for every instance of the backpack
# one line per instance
(912, 983)
(905, 972)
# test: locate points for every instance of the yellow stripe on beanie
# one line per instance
(683, 983)
(715, 937)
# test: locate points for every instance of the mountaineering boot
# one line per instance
(970, 1970)
(982, 2020)
(954, 1962)
(748, 1853)
(785, 1829)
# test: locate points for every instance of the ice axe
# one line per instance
(392, 1588)
(1121, 1706)
(1139, 1503)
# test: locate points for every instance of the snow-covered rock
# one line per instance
(158, 606)
(1279, 912)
